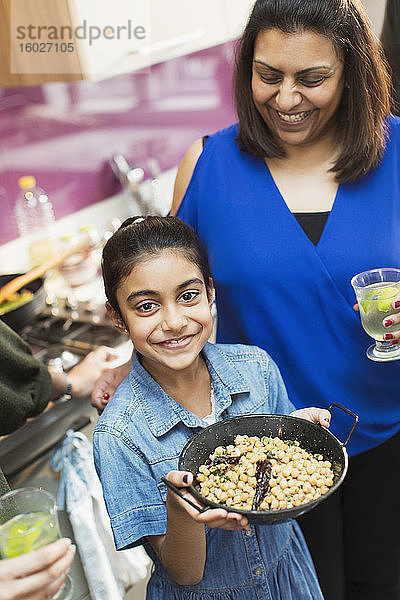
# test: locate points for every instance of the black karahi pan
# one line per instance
(312, 437)
(21, 316)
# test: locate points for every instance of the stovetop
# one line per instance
(59, 341)
(51, 337)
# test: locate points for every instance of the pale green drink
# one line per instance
(27, 532)
(28, 521)
(375, 303)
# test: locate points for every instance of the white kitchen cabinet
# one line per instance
(236, 15)
(108, 38)
(173, 28)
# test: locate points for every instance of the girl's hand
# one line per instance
(315, 415)
(214, 518)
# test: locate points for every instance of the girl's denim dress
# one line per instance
(138, 439)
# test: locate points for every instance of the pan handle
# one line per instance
(178, 492)
(355, 417)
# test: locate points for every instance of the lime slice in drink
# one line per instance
(15, 544)
(366, 301)
(364, 304)
(22, 538)
(385, 298)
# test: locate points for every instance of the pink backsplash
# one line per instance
(65, 133)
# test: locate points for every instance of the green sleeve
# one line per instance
(3, 484)
(25, 383)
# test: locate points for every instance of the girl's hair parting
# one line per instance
(365, 104)
(141, 238)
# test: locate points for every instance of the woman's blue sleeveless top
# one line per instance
(276, 290)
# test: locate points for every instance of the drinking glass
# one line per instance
(28, 521)
(375, 291)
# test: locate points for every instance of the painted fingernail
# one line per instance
(388, 336)
(185, 479)
(388, 322)
(106, 396)
(394, 342)
(397, 304)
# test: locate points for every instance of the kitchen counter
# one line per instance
(40, 434)
(14, 255)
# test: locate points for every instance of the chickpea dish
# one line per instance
(264, 474)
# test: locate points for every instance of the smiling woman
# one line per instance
(291, 202)
(297, 92)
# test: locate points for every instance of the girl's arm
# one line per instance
(182, 550)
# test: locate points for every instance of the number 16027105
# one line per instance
(47, 47)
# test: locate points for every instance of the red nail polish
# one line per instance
(106, 396)
(388, 336)
(388, 323)
(397, 304)
(394, 342)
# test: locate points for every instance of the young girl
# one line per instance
(159, 289)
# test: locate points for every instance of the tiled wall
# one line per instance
(65, 134)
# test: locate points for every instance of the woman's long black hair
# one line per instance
(365, 104)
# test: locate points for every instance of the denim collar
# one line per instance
(163, 412)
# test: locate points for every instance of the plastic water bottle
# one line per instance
(35, 219)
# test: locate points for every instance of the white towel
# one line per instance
(109, 573)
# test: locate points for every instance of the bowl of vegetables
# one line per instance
(270, 468)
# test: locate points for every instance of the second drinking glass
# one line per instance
(375, 292)
(28, 521)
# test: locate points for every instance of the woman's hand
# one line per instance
(84, 375)
(389, 321)
(106, 384)
(214, 518)
(392, 320)
(315, 415)
(37, 575)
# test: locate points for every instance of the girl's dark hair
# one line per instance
(365, 104)
(140, 238)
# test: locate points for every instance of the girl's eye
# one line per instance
(146, 307)
(189, 296)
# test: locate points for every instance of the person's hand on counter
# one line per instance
(84, 375)
(37, 575)
(106, 384)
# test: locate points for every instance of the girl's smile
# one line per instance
(169, 322)
(174, 344)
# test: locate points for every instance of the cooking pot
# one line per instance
(311, 436)
(22, 315)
